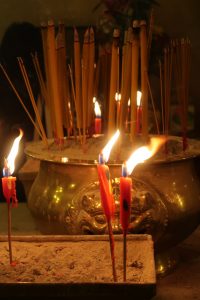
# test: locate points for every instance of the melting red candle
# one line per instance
(138, 156)
(107, 199)
(97, 118)
(8, 185)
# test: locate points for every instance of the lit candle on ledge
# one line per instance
(8, 185)
(97, 118)
(118, 101)
(139, 113)
(138, 156)
(107, 199)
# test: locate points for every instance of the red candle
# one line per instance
(97, 118)
(125, 199)
(9, 188)
(107, 199)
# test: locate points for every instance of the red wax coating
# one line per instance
(107, 199)
(97, 125)
(9, 190)
(125, 201)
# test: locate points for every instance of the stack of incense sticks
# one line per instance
(68, 85)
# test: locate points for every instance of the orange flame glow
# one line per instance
(117, 96)
(107, 149)
(97, 109)
(10, 160)
(139, 96)
(144, 153)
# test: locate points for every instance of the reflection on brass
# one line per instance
(65, 199)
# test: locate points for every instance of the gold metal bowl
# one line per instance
(65, 198)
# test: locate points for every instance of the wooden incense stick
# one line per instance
(54, 87)
(134, 80)
(111, 240)
(30, 92)
(126, 80)
(144, 86)
(124, 254)
(113, 82)
(62, 73)
(49, 112)
(9, 232)
(21, 101)
(85, 57)
(91, 63)
(153, 105)
(77, 74)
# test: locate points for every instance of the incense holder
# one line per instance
(75, 267)
(65, 198)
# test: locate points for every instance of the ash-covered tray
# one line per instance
(76, 267)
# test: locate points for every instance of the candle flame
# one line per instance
(107, 149)
(139, 96)
(97, 109)
(10, 160)
(117, 96)
(144, 153)
(129, 102)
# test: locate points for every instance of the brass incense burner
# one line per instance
(65, 198)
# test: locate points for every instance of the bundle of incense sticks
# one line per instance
(182, 59)
(176, 61)
(69, 85)
(165, 84)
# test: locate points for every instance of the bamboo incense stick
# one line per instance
(49, 112)
(153, 105)
(85, 57)
(126, 80)
(111, 240)
(144, 86)
(9, 233)
(150, 32)
(161, 96)
(20, 100)
(124, 254)
(77, 73)
(54, 87)
(30, 92)
(113, 82)
(74, 97)
(62, 73)
(134, 79)
(91, 63)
